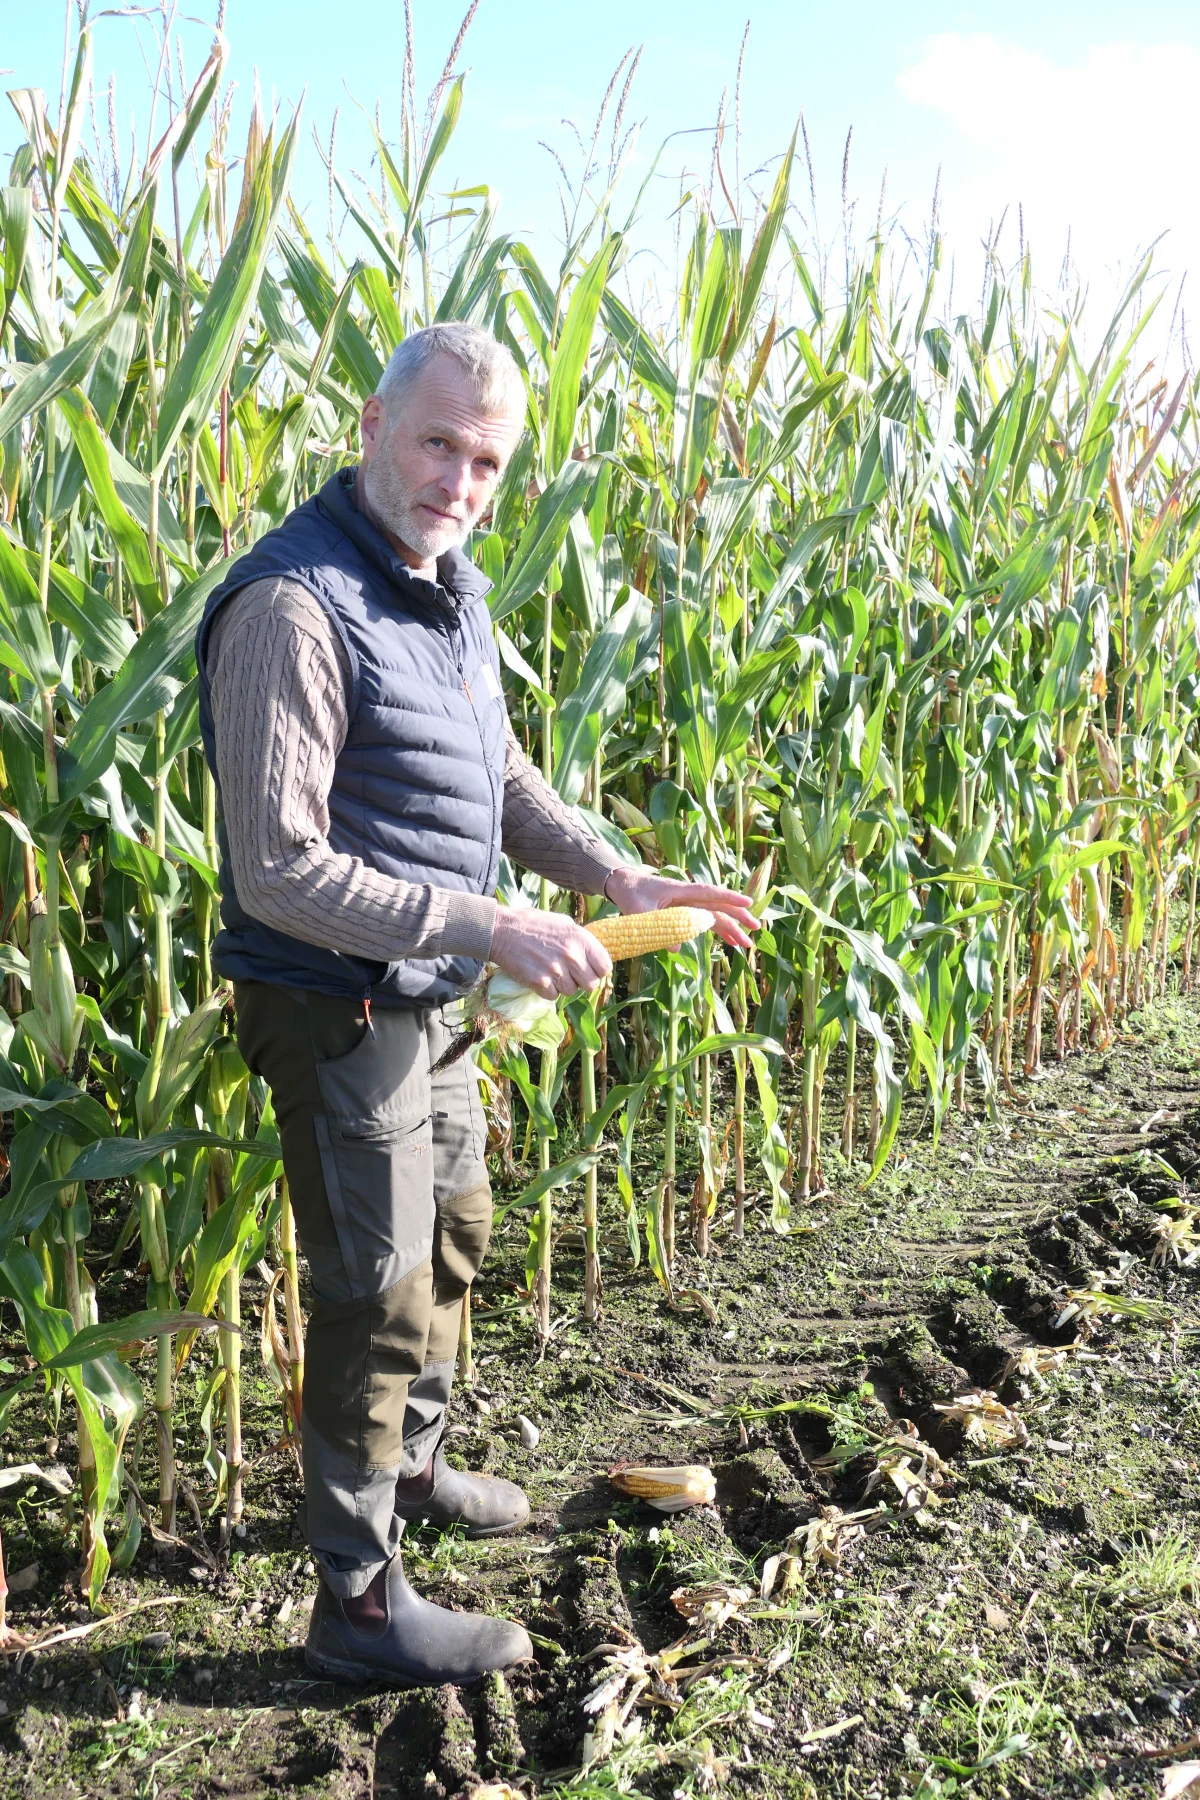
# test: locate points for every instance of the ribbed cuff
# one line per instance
(470, 922)
(595, 867)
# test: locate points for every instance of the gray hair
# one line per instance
(490, 367)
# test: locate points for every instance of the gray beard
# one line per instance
(393, 507)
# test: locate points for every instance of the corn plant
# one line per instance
(886, 612)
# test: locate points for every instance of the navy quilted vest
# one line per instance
(418, 786)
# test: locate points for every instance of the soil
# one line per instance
(1031, 1626)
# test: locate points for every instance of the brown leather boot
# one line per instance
(484, 1505)
(389, 1634)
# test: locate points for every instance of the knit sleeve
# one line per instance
(543, 833)
(279, 678)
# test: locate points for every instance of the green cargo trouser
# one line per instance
(385, 1166)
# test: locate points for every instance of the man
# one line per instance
(354, 720)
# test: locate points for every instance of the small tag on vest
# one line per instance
(491, 681)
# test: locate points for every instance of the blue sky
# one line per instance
(1080, 112)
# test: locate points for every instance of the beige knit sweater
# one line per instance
(279, 683)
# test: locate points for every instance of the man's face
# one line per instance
(429, 476)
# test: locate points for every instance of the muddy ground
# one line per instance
(1031, 1627)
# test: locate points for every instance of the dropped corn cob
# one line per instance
(625, 935)
(671, 1489)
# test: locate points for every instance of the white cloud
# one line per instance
(1103, 146)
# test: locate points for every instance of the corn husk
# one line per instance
(1176, 1240)
(668, 1489)
(817, 1544)
(986, 1422)
(711, 1605)
(502, 1007)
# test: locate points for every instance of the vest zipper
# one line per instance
(367, 1011)
(457, 655)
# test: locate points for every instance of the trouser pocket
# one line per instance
(374, 1138)
(380, 1193)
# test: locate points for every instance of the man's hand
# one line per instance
(548, 951)
(641, 890)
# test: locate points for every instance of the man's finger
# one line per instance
(726, 898)
(731, 931)
(599, 961)
(578, 968)
(560, 977)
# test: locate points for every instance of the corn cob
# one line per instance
(670, 1489)
(502, 1001)
(640, 934)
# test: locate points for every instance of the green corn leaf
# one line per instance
(102, 1340)
(570, 357)
(512, 659)
(111, 1159)
(640, 350)
(380, 301)
(561, 1175)
(773, 1154)
(599, 696)
(203, 92)
(48, 1331)
(16, 216)
(12, 1393)
(103, 635)
(443, 131)
(222, 1238)
(478, 279)
(182, 1061)
(215, 340)
(133, 491)
(808, 542)
(761, 251)
(93, 448)
(543, 536)
(716, 303)
(24, 622)
(737, 706)
(81, 81)
(163, 648)
(44, 381)
(690, 693)
(152, 872)
(315, 292)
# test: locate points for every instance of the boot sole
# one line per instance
(367, 1674)
(360, 1674)
(491, 1531)
(469, 1531)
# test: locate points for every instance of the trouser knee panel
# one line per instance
(460, 1242)
(360, 1359)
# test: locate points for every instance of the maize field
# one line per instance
(802, 583)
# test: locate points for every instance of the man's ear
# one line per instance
(372, 426)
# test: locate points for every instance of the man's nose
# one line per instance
(456, 479)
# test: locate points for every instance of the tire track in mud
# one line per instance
(1037, 1231)
(882, 1285)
